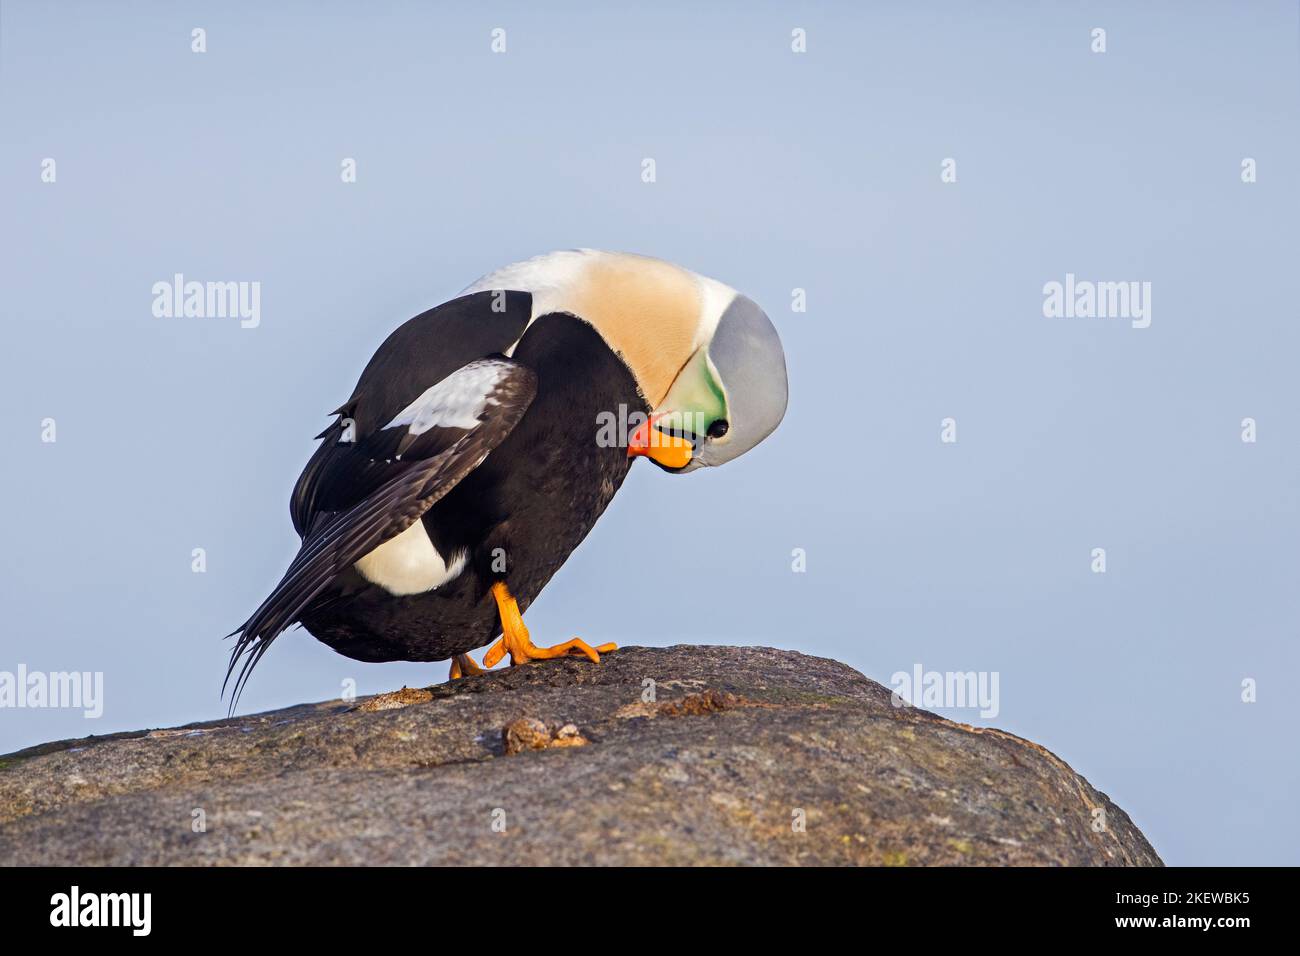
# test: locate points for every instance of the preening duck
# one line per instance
(486, 436)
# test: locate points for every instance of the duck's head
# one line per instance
(728, 396)
(706, 359)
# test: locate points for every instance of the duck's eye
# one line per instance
(718, 428)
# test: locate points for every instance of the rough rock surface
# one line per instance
(737, 747)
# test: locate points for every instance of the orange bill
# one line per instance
(667, 450)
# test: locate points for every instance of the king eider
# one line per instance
(477, 451)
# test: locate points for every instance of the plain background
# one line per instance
(776, 171)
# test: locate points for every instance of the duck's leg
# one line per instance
(515, 641)
(462, 665)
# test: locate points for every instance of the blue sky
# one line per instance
(775, 171)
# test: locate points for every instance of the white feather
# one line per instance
(456, 402)
(409, 563)
(552, 279)
(549, 278)
(714, 299)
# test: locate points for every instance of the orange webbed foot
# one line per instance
(462, 665)
(515, 641)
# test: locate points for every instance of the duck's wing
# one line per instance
(370, 487)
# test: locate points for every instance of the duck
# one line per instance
(486, 436)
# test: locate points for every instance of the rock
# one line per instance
(529, 733)
(395, 699)
(693, 755)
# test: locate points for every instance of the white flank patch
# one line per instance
(456, 402)
(409, 563)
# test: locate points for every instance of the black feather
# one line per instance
(371, 499)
